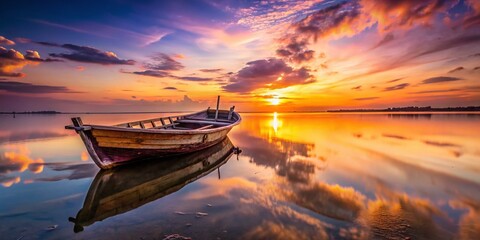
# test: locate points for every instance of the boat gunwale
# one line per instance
(169, 131)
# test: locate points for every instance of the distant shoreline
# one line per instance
(385, 110)
(414, 109)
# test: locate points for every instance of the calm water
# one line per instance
(300, 176)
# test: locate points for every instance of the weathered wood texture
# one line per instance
(110, 146)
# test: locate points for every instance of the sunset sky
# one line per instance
(258, 55)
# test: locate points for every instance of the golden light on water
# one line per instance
(275, 122)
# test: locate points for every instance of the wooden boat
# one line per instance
(110, 146)
(125, 188)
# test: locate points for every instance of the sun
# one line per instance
(274, 100)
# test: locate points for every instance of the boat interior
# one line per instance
(207, 119)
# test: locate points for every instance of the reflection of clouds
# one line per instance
(403, 170)
(402, 216)
(273, 230)
(8, 181)
(469, 224)
(215, 187)
(77, 171)
(84, 156)
(252, 199)
(343, 203)
(17, 159)
(25, 136)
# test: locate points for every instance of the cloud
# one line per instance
(20, 87)
(340, 19)
(456, 69)
(440, 80)
(170, 88)
(5, 41)
(162, 65)
(152, 73)
(436, 91)
(386, 39)
(394, 80)
(270, 73)
(213, 70)
(87, 54)
(394, 14)
(296, 51)
(448, 44)
(357, 87)
(194, 79)
(163, 62)
(397, 87)
(365, 98)
(11, 60)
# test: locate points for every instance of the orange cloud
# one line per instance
(20, 161)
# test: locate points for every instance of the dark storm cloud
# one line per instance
(397, 87)
(19, 87)
(267, 73)
(456, 69)
(440, 80)
(163, 62)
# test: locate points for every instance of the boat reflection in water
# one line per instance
(125, 188)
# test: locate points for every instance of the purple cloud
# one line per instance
(267, 73)
(87, 54)
(213, 70)
(152, 73)
(440, 80)
(397, 87)
(163, 62)
(456, 69)
(19, 87)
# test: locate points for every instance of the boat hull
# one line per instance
(123, 189)
(109, 148)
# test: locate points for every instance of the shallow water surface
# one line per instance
(299, 176)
